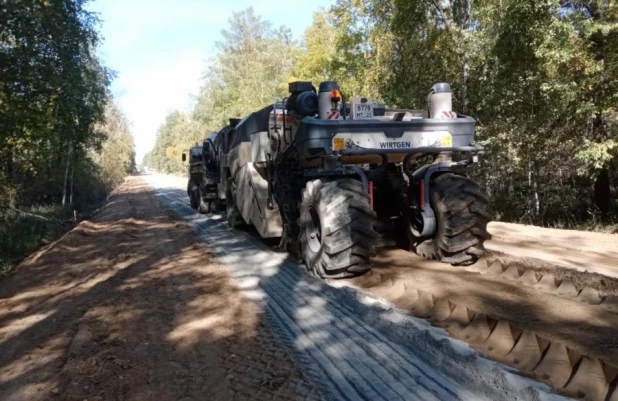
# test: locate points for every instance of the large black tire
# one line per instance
(203, 205)
(214, 206)
(461, 221)
(336, 232)
(234, 218)
(194, 199)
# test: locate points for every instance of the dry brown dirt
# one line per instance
(507, 320)
(577, 250)
(590, 329)
(129, 306)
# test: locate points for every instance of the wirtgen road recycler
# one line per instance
(337, 180)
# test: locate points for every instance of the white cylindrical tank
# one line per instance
(325, 106)
(441, 101)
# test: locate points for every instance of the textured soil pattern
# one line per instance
(552, 332)
(577, 250)
(353, 347)
(129, 306)
(603, 285)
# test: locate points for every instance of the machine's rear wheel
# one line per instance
(336, 228)
(193, 199)
(214, 206)
(204, 205)
(234, 218)
(461, 221)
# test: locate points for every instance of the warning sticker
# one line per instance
(338, 143)
(447, 140)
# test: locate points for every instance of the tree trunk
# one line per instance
(9, 174)
(537, 203)
(466, 58)
(532, 184)
(66, 177)
(72, 175)
(602, 193)
(64, 187)
(466, 78)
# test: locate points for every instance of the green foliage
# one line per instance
(540, 76)
(55, 144)
(175, 136)
(544, 101)
(315, 58)
(21, 234)
(251, 71)
(116, 155)
(53, 96)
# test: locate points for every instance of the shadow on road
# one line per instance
(130, 306)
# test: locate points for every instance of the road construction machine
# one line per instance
(203, 176)
(336, 179)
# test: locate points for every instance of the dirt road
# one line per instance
(356, 346)
(130, 306)
(143, 304)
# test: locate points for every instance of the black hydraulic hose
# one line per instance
(275, 118)
(361, 173)
(285, 99)
(406, 165)
(269, 178)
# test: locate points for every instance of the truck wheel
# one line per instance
(193, 199)
(214, 206)
(461, 221)
(336, 228)
(234, 218)
(204, 206)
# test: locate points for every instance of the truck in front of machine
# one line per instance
(336, 180)
(203, 176)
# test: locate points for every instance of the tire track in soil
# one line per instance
(330, 330)
(590, 288)
(353, 384)
(572, 373)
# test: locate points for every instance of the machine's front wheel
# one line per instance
(336, 232)
(461, 221)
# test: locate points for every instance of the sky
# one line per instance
(159, 50)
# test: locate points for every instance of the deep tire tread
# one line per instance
(461, 219)
(347, 228)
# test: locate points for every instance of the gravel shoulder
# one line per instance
(131, 306)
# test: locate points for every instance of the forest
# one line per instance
(539, 76)
(64, 144)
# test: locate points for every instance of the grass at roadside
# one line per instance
(20, 234)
